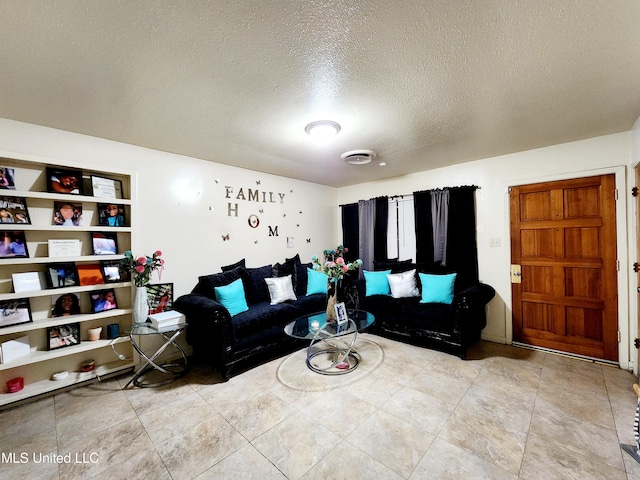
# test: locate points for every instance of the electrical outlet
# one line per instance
(495, 242)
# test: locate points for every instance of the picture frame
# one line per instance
(341, 313)
(65, 248)
(111, 215)
(60, 275)
(7, 178)
(90, 274)
(103, 300)
(106, 187)
(64, 180)
(62, 336)
(26, 282)
(13, 244)
(112, 272)
(160, 297)
(67, 214)
(104, 243)
(65, 305)
(15, 312)
(14, 210)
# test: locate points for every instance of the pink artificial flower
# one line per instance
(332, 264)
(140, 268)
(346, 249)
(345, 268)
(158, 253)
(162, 261)
(142, 260)
(340, 261)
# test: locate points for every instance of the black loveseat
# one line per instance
(447, 327)
(230, 343)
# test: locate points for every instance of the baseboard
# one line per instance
(494, 338)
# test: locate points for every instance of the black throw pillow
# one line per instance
(255, 287)
(240, 263)
(207, 283)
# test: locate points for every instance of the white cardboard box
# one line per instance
(14, 349)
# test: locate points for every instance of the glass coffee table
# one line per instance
(331, 349)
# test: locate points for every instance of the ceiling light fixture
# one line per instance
(322, 129)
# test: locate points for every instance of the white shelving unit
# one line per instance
(38, 367)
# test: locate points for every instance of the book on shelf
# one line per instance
(14, 349)
(26, 282)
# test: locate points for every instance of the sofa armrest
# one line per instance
(209, 327)
(476, 296)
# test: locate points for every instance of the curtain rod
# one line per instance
(411, 194)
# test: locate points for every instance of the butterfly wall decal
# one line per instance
(225, 237)
(308, 240)
(257, 182)
(284, 214)
(261, 210)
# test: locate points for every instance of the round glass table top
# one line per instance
(315, 325)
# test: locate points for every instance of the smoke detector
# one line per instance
(358, 157)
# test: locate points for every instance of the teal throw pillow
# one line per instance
(232, 297)
(437, 288)
(316, 282)
(376, 283)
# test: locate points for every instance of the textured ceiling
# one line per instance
(423, 83)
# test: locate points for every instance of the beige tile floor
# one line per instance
(507, 413)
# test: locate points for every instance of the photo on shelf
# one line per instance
(66, 214)
(63, 336)
(112, 272)
(7, 178)
(104, 243)
(102, 300)
(14, 210)
(111, 215)
(106, 187)
(59, 275)
(90, 274)
(65, 305)
(160, 297)
(14, 312)
(14, 244)
(61, 180)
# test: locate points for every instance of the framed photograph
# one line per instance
(65, 305)
(102, 300)
(63, 336)
(112, 272)
(111, 215)
(106, 187)
(14, 312)
(67, 214)
(14, 210)
(14, 244)
(7, 178)
(104, 243)
(59, 275)
(60, 180)
(90, 274)
(160, 297)
(341, 313)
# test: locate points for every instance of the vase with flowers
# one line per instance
(334, 267)
(141, 269)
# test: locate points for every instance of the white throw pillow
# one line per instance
(280, 289)
(403, 284)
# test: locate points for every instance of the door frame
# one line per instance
(625, 240)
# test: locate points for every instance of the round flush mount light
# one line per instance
(358, 157)
(322, 129)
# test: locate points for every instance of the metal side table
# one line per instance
(168, 372)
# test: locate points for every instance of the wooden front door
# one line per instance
(563, 251)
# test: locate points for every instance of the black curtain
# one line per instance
(424, 227)
(462, 251)
(350, 231)
(380, 229)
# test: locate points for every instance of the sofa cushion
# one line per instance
(254, 284)
(280, 289)
(289, 267)
(232, 297)
(262, 316)
(310, 303)
(207, 283)
(316, 282)
(376, 283)
(301, 278)
(437, 288)
(240, 263)
(403, 284)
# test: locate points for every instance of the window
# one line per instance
(401, 232)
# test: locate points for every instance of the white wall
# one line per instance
(611, 153)
(183, 209)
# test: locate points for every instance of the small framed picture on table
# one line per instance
(341, 313)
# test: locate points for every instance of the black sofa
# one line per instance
(231, 343)
(447, 327)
